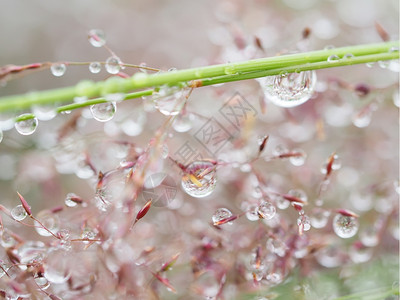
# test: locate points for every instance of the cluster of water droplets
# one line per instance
(289, 90)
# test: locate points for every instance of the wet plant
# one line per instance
(255, 194)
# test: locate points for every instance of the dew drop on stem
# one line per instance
(69, 200)
(26, 127)
(113, 65)
(333, 58)
(19, 213)
(1, 135)
(199, 179)
(298, 158)
(44, 112)
(58, 69)
(345, 226)
(266, 210)
(95, 67)
(103, 112)
(169, 100)
(289, 90)
(49, 220)
(221, 214)
(319, 217)
(97, 38)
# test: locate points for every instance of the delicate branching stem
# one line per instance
(205, 75)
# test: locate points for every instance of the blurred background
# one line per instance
(181, 34)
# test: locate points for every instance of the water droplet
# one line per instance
(103, 112)
(200, 179)
(281, 202)
(359, 253)
(276, 246)
(1, 135)
(88, 233)
(95, 67)
(345, 226)
(172, 69)
(164, 151)
(26, 127)
(58, 69)
(221, 214)
(69, 200)
(230, 70)
(280, 150)
(143, 65)
(304, 222)
(183, 123)
(370, 64)
(113, 65)
(319, 217)
(97, 38)
(289, 90)
(348, 55)
(42, 282)
(362, 119)
(329, 47)
(299, 158)
(329, 257)
(383, 64)
(336, 164)
(252, 212)
(44, 113)
(57, 267)
(266, 210)
(333, 58)
(6, 239)
(396, 98)
(18, 213)
(300, 194)
(49, 220)
(169, 100)
(369, 236)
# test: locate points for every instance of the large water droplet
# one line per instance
(200, 179)
(304, 223)
(221, 214)
(49, 220)
(183, 123)
(95, 67)
(103, 112)
(289, 90)
(57, 267)
(169, 100)
(26, 127)
(18, 213)
(333, 58)
(345, 226)
(58, 69)
(281, 202)
(97, 38)
(266, 210)
(42, 282)
(113, 65)
(44, 113)
(252, 212)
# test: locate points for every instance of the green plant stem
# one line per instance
(206, 75)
